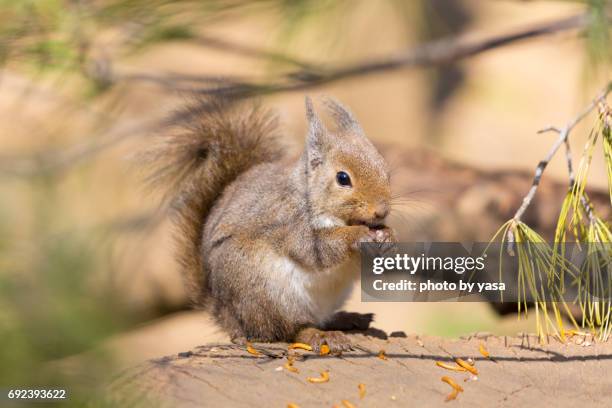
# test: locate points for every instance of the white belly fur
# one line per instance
(315, 293)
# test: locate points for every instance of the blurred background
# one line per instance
(88, 283)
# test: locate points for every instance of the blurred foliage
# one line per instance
(60, 33)
(598, 34)
(49, 308)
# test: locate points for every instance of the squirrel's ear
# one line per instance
(343, 117)
(316, 135)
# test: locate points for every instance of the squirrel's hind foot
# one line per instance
(239, 340)
(337, 341)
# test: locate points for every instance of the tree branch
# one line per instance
(442, 52)
(249, 51)
(310, 74)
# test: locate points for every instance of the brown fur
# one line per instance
(266, 241)
(198, 160)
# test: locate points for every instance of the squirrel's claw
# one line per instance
(337, 341)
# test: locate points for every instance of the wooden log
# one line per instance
(518, 372)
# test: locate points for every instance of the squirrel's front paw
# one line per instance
(337, 341)
(383, 235)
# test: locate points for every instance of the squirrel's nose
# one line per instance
(381, 210)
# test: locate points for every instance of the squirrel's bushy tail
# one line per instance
(218, 141)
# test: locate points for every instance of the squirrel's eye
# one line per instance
(343, 179)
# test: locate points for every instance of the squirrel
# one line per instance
(267, 242)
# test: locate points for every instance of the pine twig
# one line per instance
(561, 140)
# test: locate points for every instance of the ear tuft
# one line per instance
(310, 113)
(315, 137)
(343, 117)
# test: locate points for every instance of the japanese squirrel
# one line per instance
(268, 242)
